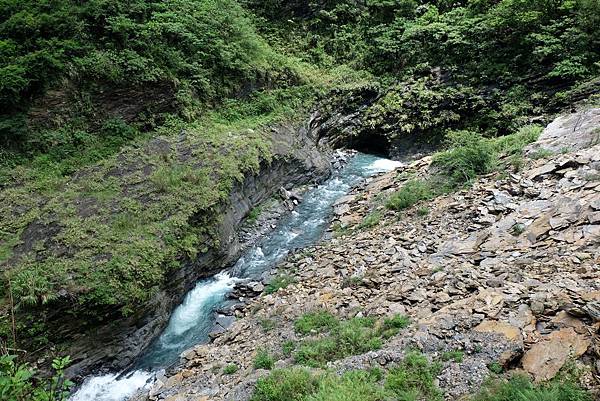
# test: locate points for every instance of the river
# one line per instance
(192, 321)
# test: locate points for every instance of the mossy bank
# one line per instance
(98, 260)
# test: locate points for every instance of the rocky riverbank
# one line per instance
(297, 162)
(505, 274)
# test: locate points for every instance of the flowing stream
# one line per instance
(192, 321)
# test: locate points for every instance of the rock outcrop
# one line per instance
(114, 346)
(506, 271)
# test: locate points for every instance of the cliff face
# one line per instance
(296, 161)
(97, 334)
(502, 275)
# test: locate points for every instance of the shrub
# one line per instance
(279, 282)
(519, 387)
(371, 220)
(456, 356)
(411, 380)
(263, 360)
(17, 381)
(253, 215)
(468, 155)
(350, 337)
(319, 320)
(230, 369)
(286, 385)
(391, 326)
(414, 378)
(352, 386)
(288, 347)
(412, 192)
(317, 353)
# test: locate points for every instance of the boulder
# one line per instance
(572, 132)
(547, 357)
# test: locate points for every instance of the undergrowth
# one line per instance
(343, 338)
(468, 155)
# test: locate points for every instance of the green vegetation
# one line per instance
(253, 215)
(350, 337)
(371, 220)
(467, 156)
(317, 321)
(411, 192)
(230, 369)
(288, 347)
(280, 281)
(481, 65)
(519, 387)
(200, 51)
(412, 379)
(17, 381)
(263, 360)
(496, 368)
(117, 158)
(455, 355)
(293, 384)
(423, 211)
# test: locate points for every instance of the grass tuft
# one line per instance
(318, 320)
(263, 360)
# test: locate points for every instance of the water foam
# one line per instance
(111, 388)
(383, 165)
(185, 317)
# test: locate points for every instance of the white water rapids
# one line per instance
(191, 321)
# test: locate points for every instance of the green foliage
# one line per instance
(298, 384)
(263, 360)
(396, 322)
(455, 355)
(468, 155)
(371, 220)
(230, 369)
(207, 49)
(319, 320)
(351, 386)
(482, 66)
(519, 387)
(495, 367)
(286, 385)
(423, 211)
(253, 215)
(288, 347)
(412, 192)
(350, 337)
(17, 381)
(414, 378)
(131, 218)
(278, 282)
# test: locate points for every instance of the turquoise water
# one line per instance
(192, 321)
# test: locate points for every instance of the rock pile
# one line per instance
(506, 271)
